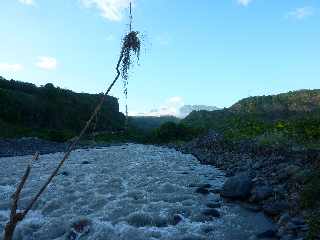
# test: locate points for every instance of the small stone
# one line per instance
(267, 234)
(251, 207)
(215, 191)
(284, 219)
(291, 226)
(79, 228)
(202, 190)
(275, 208)
(213, 205)
(176, 219)
(201, 185)
(211, 213)
(298, 221)
(65, 173)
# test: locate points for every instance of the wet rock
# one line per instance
(65, 173)
(216, 190)
(275, 208)
(79, 228)
(261, 193)
(211, 213)
(251, 207)
(202, 190)
(284, 219)
(291, 226)
(175, 219)
(286, 172)
(140, 220)
(298, 220)
(201, 185)
(271, 233)
(53, 230)
(213, 205)
(237, 187)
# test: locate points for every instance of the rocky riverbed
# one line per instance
(127, 192)
(262, 179)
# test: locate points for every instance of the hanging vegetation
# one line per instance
(130, 47)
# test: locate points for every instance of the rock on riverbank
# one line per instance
(268, 179)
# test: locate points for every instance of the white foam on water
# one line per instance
(126, 192)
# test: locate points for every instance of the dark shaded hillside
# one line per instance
(148, 124)
(293, 116)
(25, 107)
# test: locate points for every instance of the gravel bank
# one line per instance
(262, 179)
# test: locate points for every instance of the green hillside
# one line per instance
(283, 118)
(26, 109)
(291, 102)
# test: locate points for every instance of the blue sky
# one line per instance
(211, 52)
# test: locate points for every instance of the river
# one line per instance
(125, 192)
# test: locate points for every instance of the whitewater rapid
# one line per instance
(124, 192)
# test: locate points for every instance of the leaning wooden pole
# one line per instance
(16, 217)
(130, 45)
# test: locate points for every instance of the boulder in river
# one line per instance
(275, 208)
(261, 193)
(237, 187)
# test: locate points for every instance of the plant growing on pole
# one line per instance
(130, 48)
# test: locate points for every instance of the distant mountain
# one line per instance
(187, 109)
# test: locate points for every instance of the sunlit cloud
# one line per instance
(244, 2)
(301, 13)
(10, 68)
(27, 2)
(170, 107)
(110, 9)
(47, 63)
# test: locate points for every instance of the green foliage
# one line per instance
(292, 118)
(172, 132)
(310, 192)
(130, 135)
(149, 124)
(314, 224)
(51, 112)
(294, 101)
(56, 136)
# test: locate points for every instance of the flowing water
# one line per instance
(124, 192)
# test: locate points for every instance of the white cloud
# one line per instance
(110, 9)
(110, 37)
(170, 107)
(7, 67)
(301, 13)
(27, 2)
(47, 63)
(164, 39)
(244, 2)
